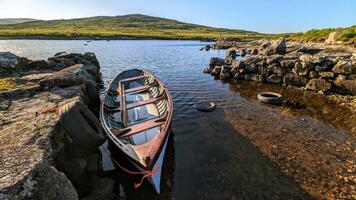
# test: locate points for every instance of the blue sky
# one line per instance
(274, 16)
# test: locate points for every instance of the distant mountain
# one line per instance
(15, 20)
(131, 26)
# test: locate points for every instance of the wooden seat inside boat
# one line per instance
(138, 128)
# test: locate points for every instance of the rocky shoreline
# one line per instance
(38, 160)
(328, 70)
(314, 69)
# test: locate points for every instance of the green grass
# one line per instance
(7, 84)
(133, 26)
(347, 35)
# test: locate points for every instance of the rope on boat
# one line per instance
(87, 76)
(146, 174)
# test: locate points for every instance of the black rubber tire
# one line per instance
(93, 97)
(205, 106)
(270, 97)
(81, 125)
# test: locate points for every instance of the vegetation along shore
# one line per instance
(138, 26)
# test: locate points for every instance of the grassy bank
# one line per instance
(7, 84)
(346, 35)
(132, 26)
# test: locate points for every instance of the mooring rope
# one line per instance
(145, 174)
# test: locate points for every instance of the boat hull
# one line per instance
(155, 179)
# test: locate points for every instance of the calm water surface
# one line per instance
(207, 158)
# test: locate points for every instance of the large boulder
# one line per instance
(215, 61)
(276, 47)
(343, 67)
(317, 85)
(8, 62)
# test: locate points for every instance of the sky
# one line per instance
(266, 16)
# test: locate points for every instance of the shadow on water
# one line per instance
(217, 162)
(124, 187)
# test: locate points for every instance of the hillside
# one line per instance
(132, 26)
(346, 35)
(14, 20)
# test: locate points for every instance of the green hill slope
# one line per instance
(346, 35)
(132, 26)
(14, 20)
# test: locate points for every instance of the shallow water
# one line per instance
(207, 157)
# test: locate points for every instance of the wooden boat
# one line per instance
(136, 113)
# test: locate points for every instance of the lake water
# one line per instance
(207, 157)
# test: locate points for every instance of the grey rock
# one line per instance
(214, 61)
(247, 77)
(317, 85)
(276, 47)
(251, 68)
(256, 78)
(238, 76)
(343, 67)
(38, 64)
(310, 59)
(298, 69)
(216, 71)
(254, 52)
(321, 68)
(313, 74)
(243, 52)
(230, 54)
(287, 63)
(236, 65)
(348, 85)
(295, 80)
(8, 61)
(225, 72)
(265, 45)
(274, 59)
(274, 79)
(61, 54)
